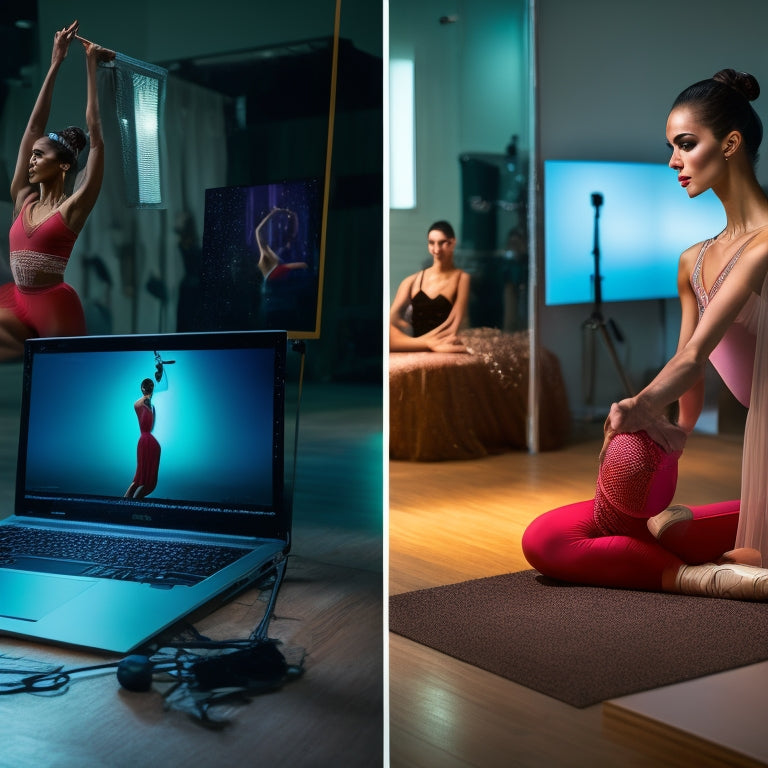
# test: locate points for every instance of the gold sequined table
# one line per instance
(466, 405)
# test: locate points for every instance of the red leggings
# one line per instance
(566, 544)
(54, 311)
(606, 542)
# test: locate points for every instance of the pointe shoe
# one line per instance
(669, 517)
(733, 582)
(742, 556)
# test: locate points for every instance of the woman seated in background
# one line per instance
(430, 307)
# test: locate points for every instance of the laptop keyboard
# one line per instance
(160, 563)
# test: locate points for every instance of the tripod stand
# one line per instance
(596, 323)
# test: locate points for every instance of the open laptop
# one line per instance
(216, 416)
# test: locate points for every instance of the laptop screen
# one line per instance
(180, 430)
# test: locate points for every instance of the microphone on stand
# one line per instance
(597, 323)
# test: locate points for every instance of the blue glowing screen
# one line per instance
(645, 222)
(214, 415)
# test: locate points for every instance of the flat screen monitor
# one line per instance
(262, 262)
(203, 414)
(646, 220)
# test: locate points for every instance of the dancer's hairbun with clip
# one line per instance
(70, 142)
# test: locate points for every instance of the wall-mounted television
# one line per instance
(646, 220)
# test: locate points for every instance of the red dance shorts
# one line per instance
(52, 311)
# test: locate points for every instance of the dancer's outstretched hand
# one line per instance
(96, 51)
(61, 41)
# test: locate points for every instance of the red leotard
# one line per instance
(147, 451)
(38, 296)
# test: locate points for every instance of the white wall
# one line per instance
(471, 85)
(608, 73)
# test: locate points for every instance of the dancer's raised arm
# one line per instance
(81, 202)
(21, 186)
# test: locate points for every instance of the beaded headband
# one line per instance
(64, 143)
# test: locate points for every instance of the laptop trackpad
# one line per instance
(30, 596)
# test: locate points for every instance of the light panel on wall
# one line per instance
(146, 107)
(402, 143)
(140, 98)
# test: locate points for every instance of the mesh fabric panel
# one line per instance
(139, 100)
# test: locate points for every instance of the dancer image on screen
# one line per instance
(47, 220)
(272, 267)
(148, 449)
(625, 537)
(430, 307)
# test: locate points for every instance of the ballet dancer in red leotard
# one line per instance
(715, 550)
(148, 449)
(47, 220)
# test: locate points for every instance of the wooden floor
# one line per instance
(459, 520)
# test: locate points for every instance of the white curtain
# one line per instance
(753, 516)
(138, 247)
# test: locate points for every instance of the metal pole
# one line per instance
(534, 257)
